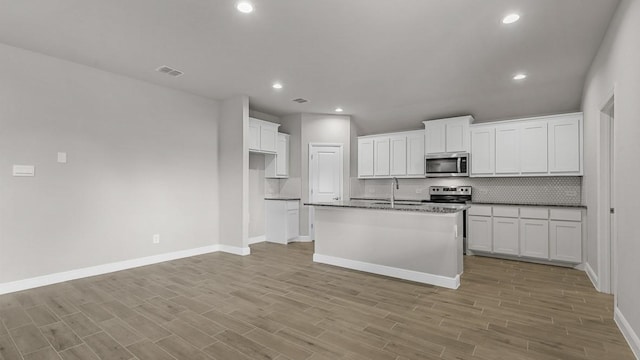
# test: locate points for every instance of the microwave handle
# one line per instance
(459, 165)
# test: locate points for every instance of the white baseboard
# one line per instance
(438, 280)
(302, 238)
(592, 276)
(627, 332)
(55, 278)
(257, 239)
(243, 251)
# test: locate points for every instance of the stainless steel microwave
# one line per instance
(447, 164)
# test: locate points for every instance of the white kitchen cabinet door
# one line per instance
(457, 136)
(398, 155)
(365, 157)
(533, 148)
(282, 156)
(534, 238)
(565, 240)
(565, 146)
(480, 234)
(268, 138)
(293, 224)
(508, 149)
(483, 151)
(415, 153)
(381, 156)
(435, 137)
(505, 236)
(254, 135)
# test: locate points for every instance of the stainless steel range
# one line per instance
(450, 194)
(453, 195)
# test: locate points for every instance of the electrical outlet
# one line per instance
(156, 239)
(570, 193)
(484, 191)
(419, 191)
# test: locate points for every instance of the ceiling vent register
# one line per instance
(300, 100)
(169, 71)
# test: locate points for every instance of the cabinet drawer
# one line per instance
(505, 211)
(479, 210)
(534, 213)
(292, 205)
(566, 214)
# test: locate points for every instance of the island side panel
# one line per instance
(419, 242)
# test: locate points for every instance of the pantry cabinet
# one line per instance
(543, 146)
(391, 155)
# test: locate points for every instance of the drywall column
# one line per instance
(616, 66)
(233, 170)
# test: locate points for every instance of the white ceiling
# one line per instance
(388, 63)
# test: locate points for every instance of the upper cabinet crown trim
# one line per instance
(519, 120)
(456, 118)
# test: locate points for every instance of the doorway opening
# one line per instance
(607, 237)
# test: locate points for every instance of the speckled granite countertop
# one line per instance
(282, 198)
(542, 205)
(381, 205)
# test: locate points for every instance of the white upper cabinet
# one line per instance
(254, 135)
(435, 136)
(483, 151)
(365, 157)
(398, 163)
(391, 155)
(381, 156)
(277, 165)
(508, 149)
(447, 135)
(544, 146)
(565, 145)
(533, 148)
(263, 136)
(415, 153)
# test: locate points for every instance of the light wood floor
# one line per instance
(278, 304)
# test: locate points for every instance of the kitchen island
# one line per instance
(417, 242)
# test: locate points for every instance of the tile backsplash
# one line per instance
(520, 190)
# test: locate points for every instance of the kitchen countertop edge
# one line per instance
(427, 208)
(283, 198)
(524, 204)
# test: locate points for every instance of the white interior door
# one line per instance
(325, 176)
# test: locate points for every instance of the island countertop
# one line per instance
(399, 206)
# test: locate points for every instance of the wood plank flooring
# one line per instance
(277, 304)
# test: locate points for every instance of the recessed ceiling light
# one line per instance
(277, 86)
(338, 109)
(244, 7)
(519, 76)
(510, 19)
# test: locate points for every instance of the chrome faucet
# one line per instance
(394, 185)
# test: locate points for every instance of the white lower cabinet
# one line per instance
(565, 240)
(281, 220)
(534, 238)
(527, 232)
(505, 236)
(480, 235)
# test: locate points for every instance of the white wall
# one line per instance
(617, 63)
(233, 172)
(142, 159)
(320, 128)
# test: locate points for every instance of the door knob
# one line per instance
(336, 198)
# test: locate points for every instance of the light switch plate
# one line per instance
(62, 157)
(24, 170)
